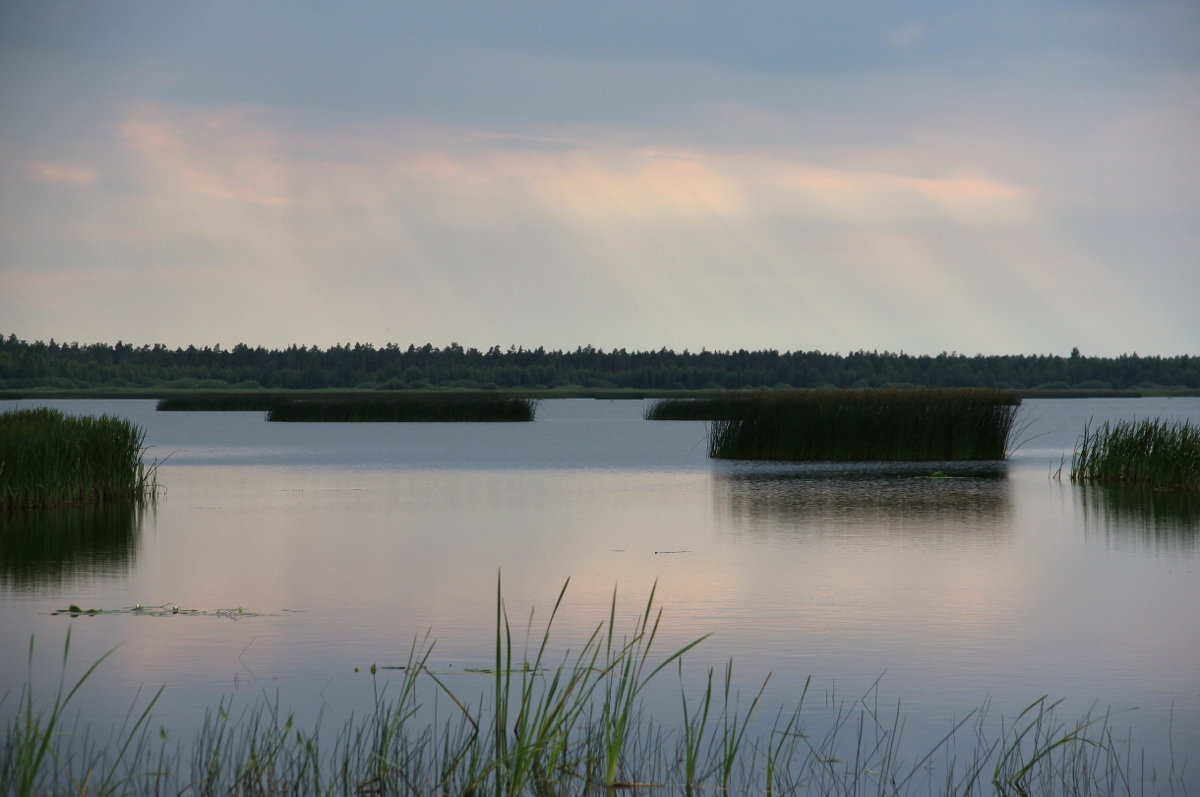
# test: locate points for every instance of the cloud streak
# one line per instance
(72, 173)
(498, 181)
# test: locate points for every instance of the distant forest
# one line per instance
(72, 366)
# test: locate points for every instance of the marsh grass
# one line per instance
(881, 425)
(34, 762)
(1151, 453)
(51, 459)
(438, 407)
(569, 723)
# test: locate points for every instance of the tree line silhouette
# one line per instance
(67, 366)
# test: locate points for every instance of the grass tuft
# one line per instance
(51, 459)
(1150, 453)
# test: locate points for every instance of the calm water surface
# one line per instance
(996, 586)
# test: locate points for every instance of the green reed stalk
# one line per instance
(31, 739)
(733, 726)
(781, 744)
(628, 661)
(1035, 742)
(695, 727)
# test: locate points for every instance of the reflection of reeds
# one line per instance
(574, 725)
(966, 503)
(45, 547)
(447, 407)
(1148, 453)
(1161, 520)
(845, 425)
(48, 459)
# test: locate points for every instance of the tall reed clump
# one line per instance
(51, 459)
(568, 723)
(447, 407)
(1152, 453)
(885, 424)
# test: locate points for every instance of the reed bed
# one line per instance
(881, 425)
(571, 723)
(221, 402)
(51, 459)
(712, 408)
(447, 407)
(1150, 453)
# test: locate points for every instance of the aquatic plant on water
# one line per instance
(51, 459)
(423, 407)
(878, 424)
(1151, 453)
(572, 723)
(233, 401)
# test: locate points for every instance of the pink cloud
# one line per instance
(76, 173)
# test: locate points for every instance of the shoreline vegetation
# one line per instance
(49, 459)
(44, 367)
(1149, 453)
(574, 722)
(933, 424)
(253, 399)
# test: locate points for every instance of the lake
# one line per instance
(940, 596)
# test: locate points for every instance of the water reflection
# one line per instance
(44, 549)
(963, 502)
(1157, 520)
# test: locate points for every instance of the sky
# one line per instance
(917, 176)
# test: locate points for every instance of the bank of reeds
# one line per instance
(709, 408)
(573, 723)
(51, 459)
(881, 425)
(1151, 453)
(425, 407)
(241, 401)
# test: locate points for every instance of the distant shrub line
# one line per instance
(53, 365)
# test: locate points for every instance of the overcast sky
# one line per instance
(1015, 177)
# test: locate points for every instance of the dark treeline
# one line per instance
(59, 366)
